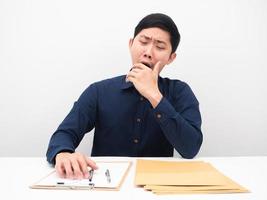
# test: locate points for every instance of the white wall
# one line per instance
(50, 51)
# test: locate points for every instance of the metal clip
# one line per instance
(92, 186)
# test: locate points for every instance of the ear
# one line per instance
(171, 58)
(130, 42)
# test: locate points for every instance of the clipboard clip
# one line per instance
(91, 186)
(74, 187)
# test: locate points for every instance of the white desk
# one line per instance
(17, 174)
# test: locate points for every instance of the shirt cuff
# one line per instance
(164, 110)
(51, 158)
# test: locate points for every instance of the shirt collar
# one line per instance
(125, 84)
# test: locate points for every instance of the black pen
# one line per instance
(91, 173)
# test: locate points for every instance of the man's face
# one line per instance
(150, 46)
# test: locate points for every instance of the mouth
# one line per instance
(146, 64)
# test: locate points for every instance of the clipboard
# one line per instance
(117, 170)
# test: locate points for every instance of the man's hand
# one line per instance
(73, 165)
(145, 80)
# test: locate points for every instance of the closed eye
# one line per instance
(161, 48)
(143, 42)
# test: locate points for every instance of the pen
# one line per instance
(91, 173)
(108, 176)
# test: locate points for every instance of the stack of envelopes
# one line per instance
(183, 177)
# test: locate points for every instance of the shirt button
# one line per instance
(141, 98)
(138, 120)
(136, 141)
(158, 116)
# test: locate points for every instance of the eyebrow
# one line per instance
(149, 38)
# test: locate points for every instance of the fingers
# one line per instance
(68, 169)
(73, 165)
(139, 66)
(76, 169)
(91, 163)
(60, 169)
(132, 74)
(157, 68)
(136, 70)
(131, 79)
(83, 167)
(62, 165)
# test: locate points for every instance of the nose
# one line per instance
(148, 52)
(147, 56)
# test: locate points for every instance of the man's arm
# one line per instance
(70, 132)
(182, 129)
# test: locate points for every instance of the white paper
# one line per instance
(117, 171)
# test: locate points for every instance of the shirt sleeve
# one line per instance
(80, 120)
(180, 121)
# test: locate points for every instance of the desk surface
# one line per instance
(18, 173)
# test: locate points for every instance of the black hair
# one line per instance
(163, 22)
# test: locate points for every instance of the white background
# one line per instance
(50, 51)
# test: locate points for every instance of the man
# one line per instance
(138, 114)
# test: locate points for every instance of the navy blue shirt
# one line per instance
(126, 124)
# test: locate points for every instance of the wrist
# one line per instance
(62, 153)
(155, 98)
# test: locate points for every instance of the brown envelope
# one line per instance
(183, 177)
